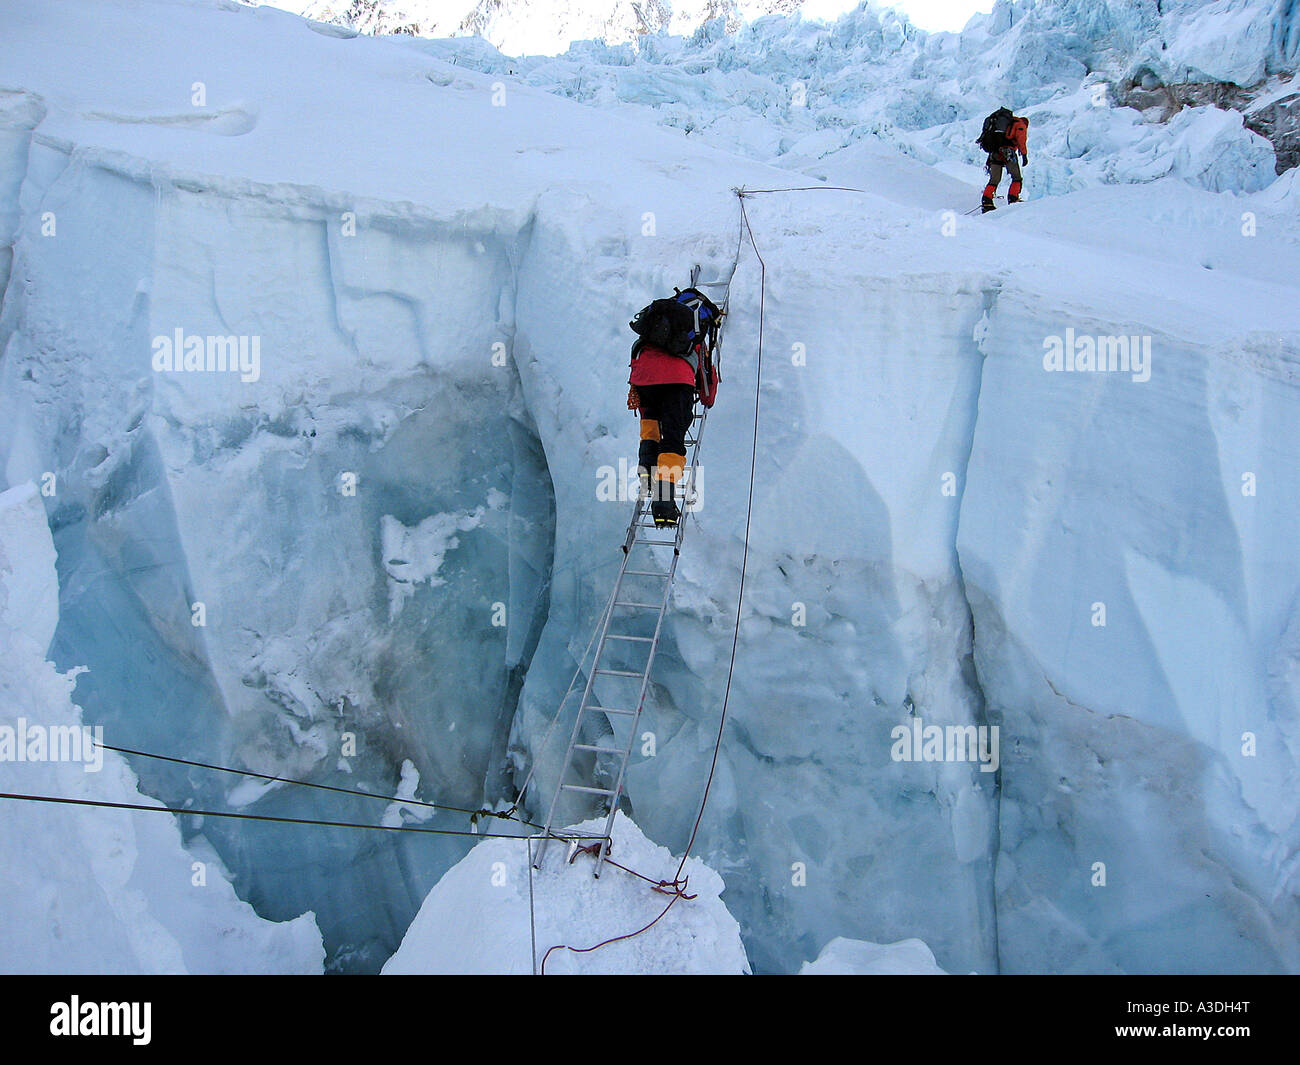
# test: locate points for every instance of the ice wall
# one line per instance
(92, 890)
(1141, 652)
(224, 567)
(923, 344)
(221, 542)
(377, 359)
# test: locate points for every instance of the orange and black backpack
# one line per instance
(1002, 129)
(1016, 134)
(994, 134)
(685, 324)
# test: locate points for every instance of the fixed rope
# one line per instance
(475, 814)
(749, 514)
(105, 804)
(662, 886)
(675, 888)
(743, 192)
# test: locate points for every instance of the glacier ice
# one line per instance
(800, 91)
(491, 914)
(850, 957)
(441, 290)
(97, 890)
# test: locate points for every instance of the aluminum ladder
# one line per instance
(618, 634)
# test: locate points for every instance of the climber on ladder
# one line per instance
(672, 364)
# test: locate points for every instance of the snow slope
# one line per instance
(1119, 91)
(90, 890)
(477, 919)
(936, 513)
(533, 28)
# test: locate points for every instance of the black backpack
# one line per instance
(994, 134)
(678, 323)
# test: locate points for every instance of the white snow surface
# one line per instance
(532, 28)
(478, 919)
(945, 512)
(85, 890)
(802, 91)
(852, 957)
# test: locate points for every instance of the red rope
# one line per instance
(678, 891)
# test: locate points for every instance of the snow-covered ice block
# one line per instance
(476, 920)
(854, 957)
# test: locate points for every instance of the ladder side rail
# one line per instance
(693, 465)
(603, 623)
(640, 703)
(654, 645)
(700, 414)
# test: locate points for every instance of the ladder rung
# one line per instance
(642, 530)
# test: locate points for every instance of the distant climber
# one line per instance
(1003, 137)
(672, 364)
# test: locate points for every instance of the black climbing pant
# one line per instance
(665, 417)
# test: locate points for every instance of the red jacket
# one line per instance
(655, 367)
(1017, 133)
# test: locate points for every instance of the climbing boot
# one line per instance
(665, 513)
